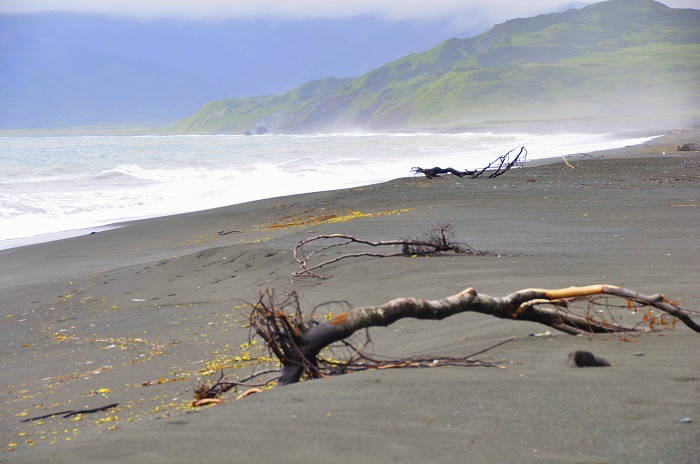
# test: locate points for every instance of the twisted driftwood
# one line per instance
(499, 166)
(439, 240)
(297, 343)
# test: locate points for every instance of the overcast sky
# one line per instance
(458, 10)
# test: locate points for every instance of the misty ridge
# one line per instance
(631, 60)
(65, 69)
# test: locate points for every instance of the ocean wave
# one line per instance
(127, 171)
(121, 178)
(132, 171)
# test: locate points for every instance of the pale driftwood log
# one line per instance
(297, 343)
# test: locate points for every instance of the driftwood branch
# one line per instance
(226, 232)
(223, 385)
(72, 412)
(440, 240)
(297, 343)
(432, 173)
(495, 168)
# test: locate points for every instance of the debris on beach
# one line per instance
(206, 401)
(300, 344)
(568, 165)
(437, 242)
(692, 146)
(72, 412)
(496, 168)
(303, 219)
(587, 359)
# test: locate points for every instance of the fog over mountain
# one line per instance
(66, 63)
(618, 59)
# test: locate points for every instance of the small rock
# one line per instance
(587, 359)
(692, 146)
(686, 420)
(638, 353)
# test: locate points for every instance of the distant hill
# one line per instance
(618, 58)
(59, 70)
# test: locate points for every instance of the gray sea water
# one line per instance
(55, 184)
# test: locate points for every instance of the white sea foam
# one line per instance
(54, 184)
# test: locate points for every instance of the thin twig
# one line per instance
(72, 412)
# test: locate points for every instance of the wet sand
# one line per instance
(87, 321)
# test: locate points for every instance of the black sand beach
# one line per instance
(140, 314)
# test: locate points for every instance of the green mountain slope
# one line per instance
(611, 59)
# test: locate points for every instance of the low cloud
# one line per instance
(391, 10)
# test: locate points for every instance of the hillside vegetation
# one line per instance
(611, 59)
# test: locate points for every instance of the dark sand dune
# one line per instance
(102, 314)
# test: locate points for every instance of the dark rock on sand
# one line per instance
(587, 359)
(692, 146)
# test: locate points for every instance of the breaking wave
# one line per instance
(54, 184)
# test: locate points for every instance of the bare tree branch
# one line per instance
(297, 343)
(439, 240)
(499, 166)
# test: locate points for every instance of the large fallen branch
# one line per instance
(296, 343)
(496, 168)
(440, 240)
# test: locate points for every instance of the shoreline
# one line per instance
(660, 140)
(140, 315)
